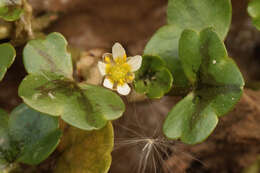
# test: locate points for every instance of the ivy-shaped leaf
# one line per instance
(254, 11)
(29, 136)
(86, 152)
(183, 14)
(200, 14)
(6, 58)
(84, 106)
(153, 78)
(49, 87)
(49, 54)
(164, 44)
(217, 83)
(10, 10)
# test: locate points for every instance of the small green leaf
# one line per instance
(200, 14)
(153, 78)
(189, 52)
(10, 10)
(217, 82)
(254, 11)
(49, 54)
(183, 14)
(92, 151)
(6, 58)
(37, 133)
(49, 87)
(190, 120)
(164, 44)
(31, 136)
(84, 106)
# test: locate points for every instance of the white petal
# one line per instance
(102, 68)
(135, 62)
(108, 84)
(123, 89)
(118, 51)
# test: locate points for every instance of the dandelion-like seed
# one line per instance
(152, 151)
(118, 69)
(141, 147)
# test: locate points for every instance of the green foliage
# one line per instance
(153, 78)
(49, 87)
(48, 55)
(254, 11)
(3, 137)
(6, 58)
(27, 136)
(200, 14)
(217, 87)
(92, 150)
(11, 10)
(84, 106)
(183, 14)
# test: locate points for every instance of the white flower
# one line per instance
(119, 69)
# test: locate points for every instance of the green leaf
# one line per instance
(49, 54)
(153, 78)
(4, 139)
(189, 52)
(49, 87)
(165, 45)
(217, 82)
(92, 151)
(6, 58)
(183, 14)
(31, 135)
(11, 10)
(190, 121)
(84, 106)
(254, 11)
(200, 14)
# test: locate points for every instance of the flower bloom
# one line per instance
(118, 69)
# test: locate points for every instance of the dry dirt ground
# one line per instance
(90, 24)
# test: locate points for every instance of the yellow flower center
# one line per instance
(119, 72)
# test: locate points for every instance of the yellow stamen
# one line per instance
(131, 77)
(121, 81)
(107, 59)
(119, 71)
(124, 57)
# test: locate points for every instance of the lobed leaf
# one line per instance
(200, 14)
(50, 88)
(48, 55)
(164, 44)
(84, 106)
(183, 14)
(254, 11)
(92, 150)
(6, 58)
(153, 78)
(218, 86)
(11, 10)
(30, 136)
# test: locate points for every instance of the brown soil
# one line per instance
(89, 24)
